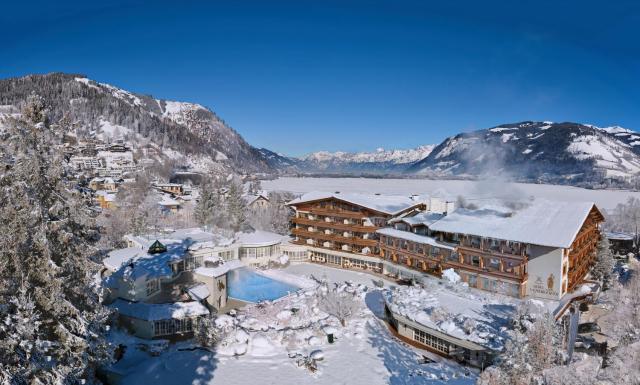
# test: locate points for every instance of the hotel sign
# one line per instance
(543, 286)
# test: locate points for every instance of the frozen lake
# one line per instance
(605, 199)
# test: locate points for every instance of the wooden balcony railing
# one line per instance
(338, 213)
(521, 277)
(334, 225)
(502, 253)
(335, 238)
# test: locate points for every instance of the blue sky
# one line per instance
(303, 76)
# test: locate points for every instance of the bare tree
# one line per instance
(339, 304)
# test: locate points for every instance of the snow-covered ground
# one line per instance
(364, 351)
(606, 199)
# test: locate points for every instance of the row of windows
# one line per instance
(172, 326)
(434, 342)
(296, 256)
(512, 289)
(189, 263)
(259, 252)
(226, 255)
(418, 248)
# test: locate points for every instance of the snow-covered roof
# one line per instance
(159, 311)
(388, 204)
(250, 198)
(426, 218)
(116, 258)
(618, 236)
(153, 265)
(167, 201)
(219, 270)
(260, 238)
(446, 311)
(198, 292)
(197, 238)
(108, 196)
(409, 236)
(541, 222)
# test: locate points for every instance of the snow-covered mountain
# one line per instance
(380, 161)
(538, 151)
(188, 134)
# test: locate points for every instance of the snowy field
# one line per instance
(606, 199)
(364, 352)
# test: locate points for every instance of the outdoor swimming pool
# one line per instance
(249, 286)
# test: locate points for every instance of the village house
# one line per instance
(106, 184)
(171, 188)
(106, 199)
(255, 202)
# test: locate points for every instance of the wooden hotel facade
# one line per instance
(544, 250)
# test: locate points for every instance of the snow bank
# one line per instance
(451, 276)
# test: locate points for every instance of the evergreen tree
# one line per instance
(603, 268)
(52, 321)
(208, 206)
(236, 207)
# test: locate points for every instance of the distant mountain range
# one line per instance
(191, 136)
(537, 151)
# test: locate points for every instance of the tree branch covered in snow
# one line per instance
(340, 304)
(52, 322)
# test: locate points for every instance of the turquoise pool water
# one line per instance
(249, 286)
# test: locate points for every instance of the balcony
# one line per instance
(338, 213)
(500, 251)
(335, 225)
(513, 275)
(336, 238)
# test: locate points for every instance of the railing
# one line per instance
(485, 270)
(338, 213)
(334, 225)
(335, 237)
(502, 253)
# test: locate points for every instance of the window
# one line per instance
(475, 260)
(226, 255)
(153, 286)
(172, 326)
(434, 342)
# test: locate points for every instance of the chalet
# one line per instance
(107, 184)
(259, 201)
(168, 204)
(340, 228)
(171, 188)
